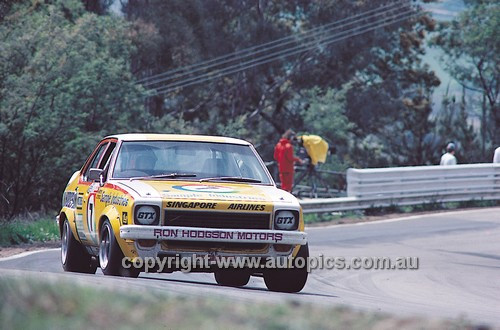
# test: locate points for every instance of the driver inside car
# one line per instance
(136, 161)
(144, 161)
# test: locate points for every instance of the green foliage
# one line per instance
(338, 217)
(316, 105)
(471, 46)
(24, 231)
(390, 102)
(453, 125)
(64, 83)
(67, 78)
(323, 114)
(99, 7)
(364, 78)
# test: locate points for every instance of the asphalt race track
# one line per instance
(458, 275)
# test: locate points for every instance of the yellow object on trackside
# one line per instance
(316, 147)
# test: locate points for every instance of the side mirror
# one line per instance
(94, 174)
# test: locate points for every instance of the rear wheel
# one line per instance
(74, 257)
(111, 256)
(232, 277)
(289, 279)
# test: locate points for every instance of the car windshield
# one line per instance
(189, 161)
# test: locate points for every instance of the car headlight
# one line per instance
(147, 214)
(286, 220)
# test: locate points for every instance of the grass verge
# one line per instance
(33, 304)
(19, 231)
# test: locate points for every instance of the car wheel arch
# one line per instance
(114, 221)
(61, 219)
(111, 214)
(68, 215)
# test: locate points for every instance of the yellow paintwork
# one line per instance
(69, 215)
(93, 203)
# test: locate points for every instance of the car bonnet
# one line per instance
(192, 190)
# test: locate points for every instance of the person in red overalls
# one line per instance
(283, 154)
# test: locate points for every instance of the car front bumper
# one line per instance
(134, 232)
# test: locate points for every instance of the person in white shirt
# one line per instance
(449, 157)
(496, 157)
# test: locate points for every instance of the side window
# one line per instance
(106, 159)
(107, 156)
(95, 160)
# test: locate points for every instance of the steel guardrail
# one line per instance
(412, 185)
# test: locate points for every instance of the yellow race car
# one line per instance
(161, 202)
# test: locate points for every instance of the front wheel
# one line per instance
(74, 257)
(290, 279)
(232, 277)
(111, 256)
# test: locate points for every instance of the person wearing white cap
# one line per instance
(496, 156)
(449, 157)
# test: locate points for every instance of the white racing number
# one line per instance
(91, 213)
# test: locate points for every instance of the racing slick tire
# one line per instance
(232, 277)
(74, 257)
(288, 280)
(111, 256)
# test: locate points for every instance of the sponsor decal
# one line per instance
(231, 196)
(216, 234)
(285, 220)
(191, 205)
(70, 199)
(246, 207)
(93, 187)
(124, 218)
(205, 189)
(79, 201)
(114, 199)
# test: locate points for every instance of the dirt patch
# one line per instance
(7, 251)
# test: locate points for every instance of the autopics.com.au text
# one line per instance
(188, 264)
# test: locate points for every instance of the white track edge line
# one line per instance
(27, 253)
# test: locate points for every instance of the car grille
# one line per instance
(216, 220)
(219, 220)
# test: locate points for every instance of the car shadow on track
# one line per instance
(246, 288)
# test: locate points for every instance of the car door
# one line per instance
(87, 190)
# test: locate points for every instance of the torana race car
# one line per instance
(160, 196)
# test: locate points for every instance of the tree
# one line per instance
(385, 62)
(99, 7)
(64, 83)
(472, 45)
(453, 124)
(390, 101)
(314, 107)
